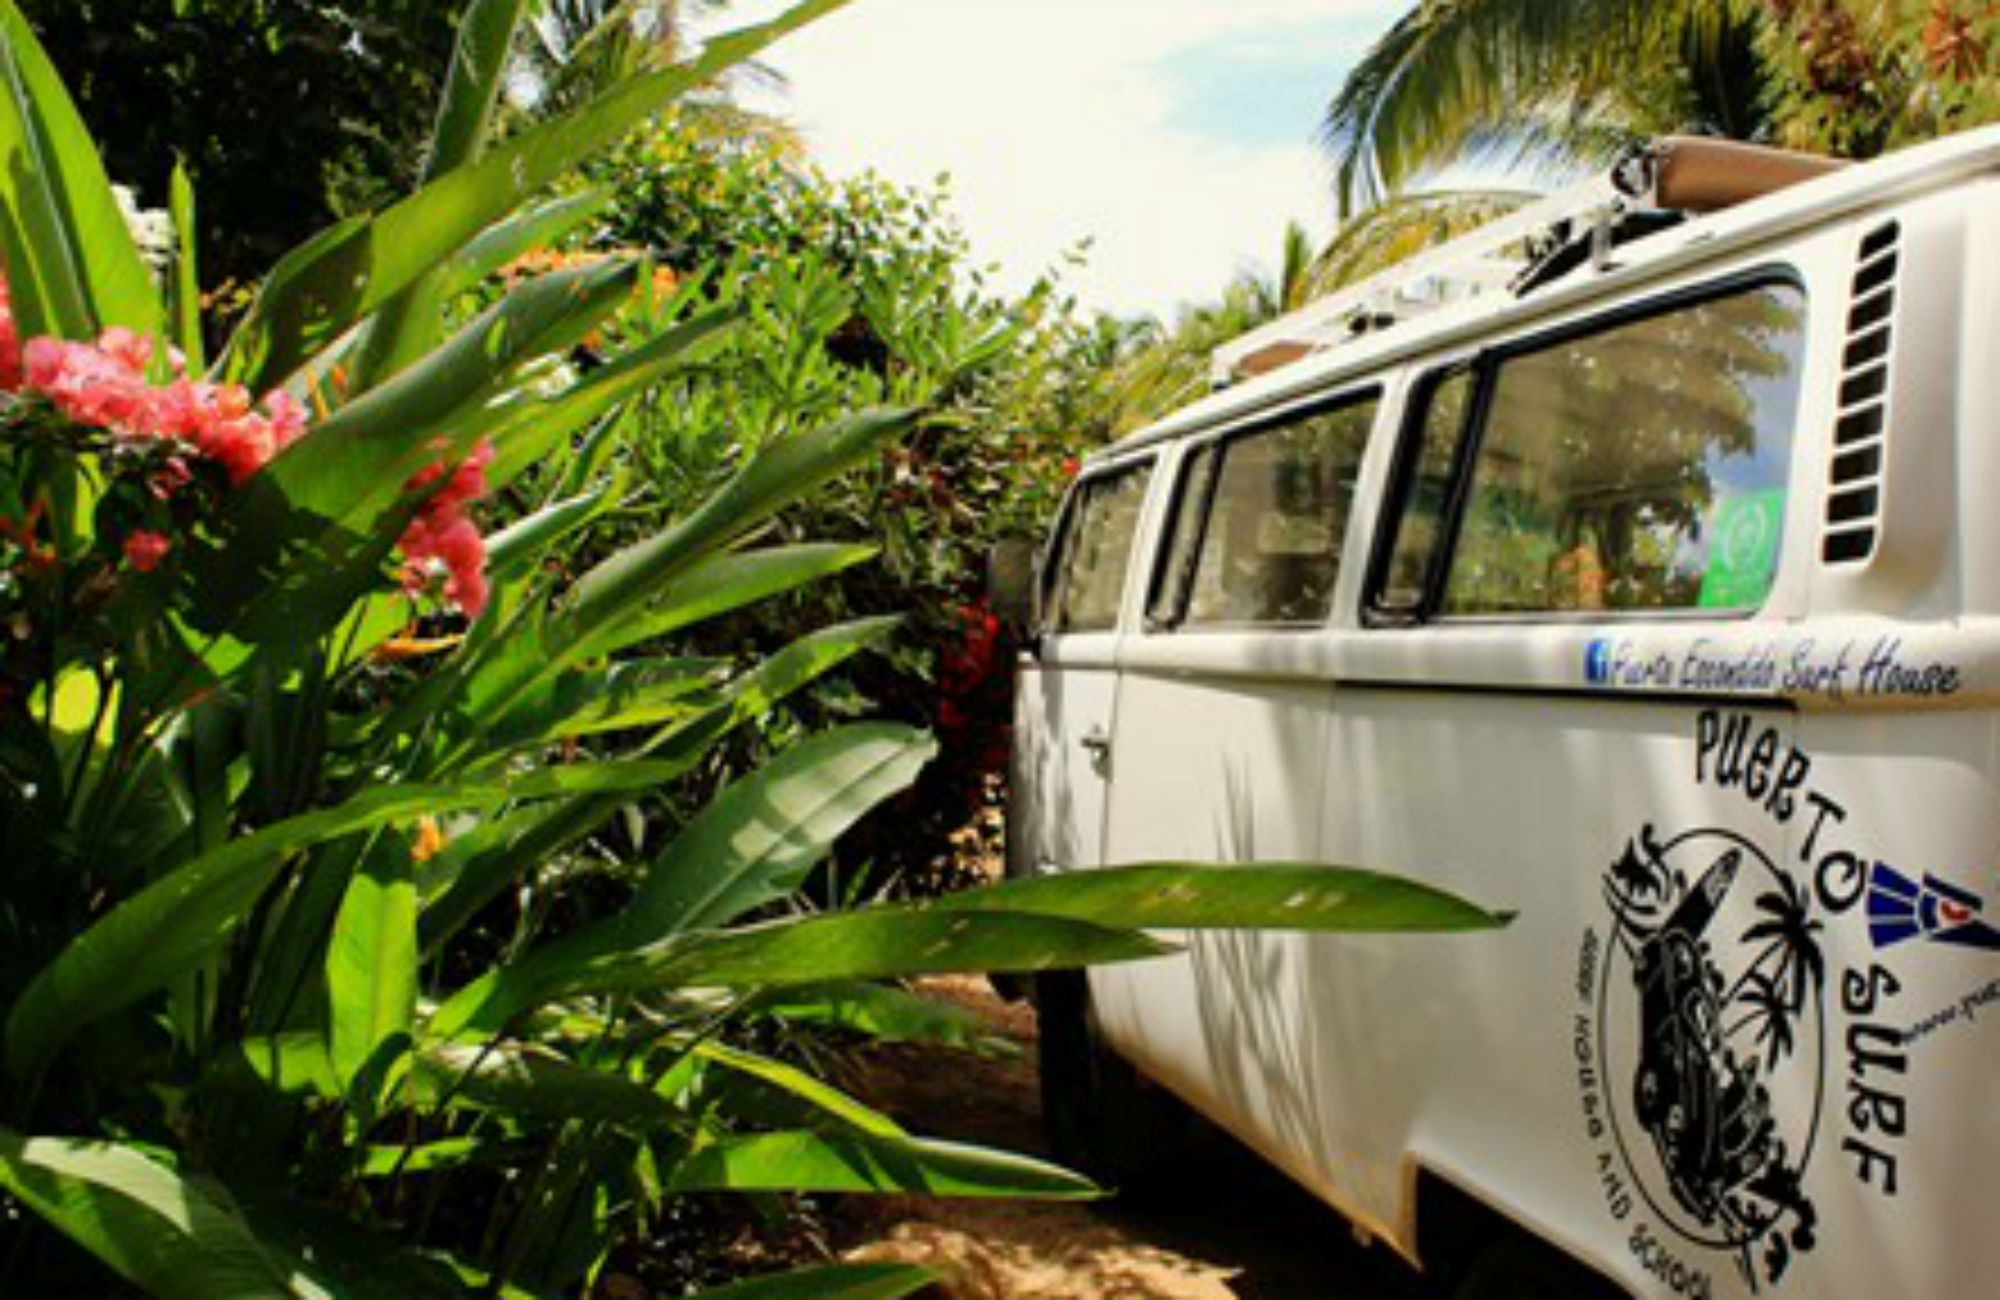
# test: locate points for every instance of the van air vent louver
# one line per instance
(1853, 506)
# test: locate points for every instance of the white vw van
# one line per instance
(1653, 594)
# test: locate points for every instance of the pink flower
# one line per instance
(144, 550)
(441, 537)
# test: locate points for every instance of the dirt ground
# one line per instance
(1242, 1232)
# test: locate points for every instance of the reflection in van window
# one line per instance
(1096, 550)
(1269, 547)
(1639, 468)
(1425, 492)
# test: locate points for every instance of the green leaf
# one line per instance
(880, 943)
(831, 1282)
(371, 964)
(308, 534)
(818, 1162)
(532, 1082)
(642, 693)
(754, 843)
(408, 324)
(321, 290)
(167, 927)
(889, 1014)
(71, 260)
(537, 426)
(507, 241)
(1265, 895)
(783, 473)
(723, 583)
(514, 548)
(798, 1084)
(187, 275)
(170, 1235)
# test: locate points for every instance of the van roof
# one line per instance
(1330, 350)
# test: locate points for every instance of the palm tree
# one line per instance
(1552, 82)
(571, 49)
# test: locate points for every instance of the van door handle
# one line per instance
(1097, 743)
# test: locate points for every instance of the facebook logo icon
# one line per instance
(1597, 662)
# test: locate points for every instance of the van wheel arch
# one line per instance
(1478, 1253)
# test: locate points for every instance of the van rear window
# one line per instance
(1639, 467)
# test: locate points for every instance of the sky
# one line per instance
(1176, 136)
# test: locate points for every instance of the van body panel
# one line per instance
(1735, 1040)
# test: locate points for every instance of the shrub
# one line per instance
(281, 723)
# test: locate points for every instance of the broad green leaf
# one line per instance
(513, 549)
(754, 843)
(320, 519)
(79, 255)
(320, 291)
(170, 1235)
(431, 1157)
(798, 1084)
(168, 926)
(333, 1256)
(371, 963)
(640, 693)
(630, 581)
(1193, 896)
(880, 943)
(831, 1282)
(784, 472)
(805, 661)
(751, 845)
(531, 1082)
(479, 60)
(534, 426)
(507, 241)
(889, 1014)
(356, 460)
(296, 1064)
(730, 581)
(408, 324)
(187, 275)
(818, 1162)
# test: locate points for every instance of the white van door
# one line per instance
(1068, 691)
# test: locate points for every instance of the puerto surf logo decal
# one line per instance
(1741, 1034)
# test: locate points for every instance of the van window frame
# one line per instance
(1484, 364)
(1215, 445)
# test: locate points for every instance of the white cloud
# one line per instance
(1058, 122)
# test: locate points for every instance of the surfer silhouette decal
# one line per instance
(1713, 989)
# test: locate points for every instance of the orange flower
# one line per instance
(429, 841)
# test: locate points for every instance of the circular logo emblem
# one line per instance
(1711, 991)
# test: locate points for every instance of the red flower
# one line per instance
(144, 550)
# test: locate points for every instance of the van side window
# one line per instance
(1260, 522)
(1633, 466)
(1087, 577)
(1426, 487)
(1642, 467)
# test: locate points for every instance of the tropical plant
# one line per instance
(265, 788)
(1556, 84)
(289, 114)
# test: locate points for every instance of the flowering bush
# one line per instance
(282, 1013)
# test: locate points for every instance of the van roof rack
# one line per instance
(1655, 186)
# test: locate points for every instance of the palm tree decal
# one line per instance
(1789, 970)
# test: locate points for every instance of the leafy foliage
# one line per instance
(311, 948)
